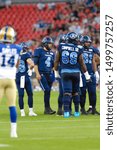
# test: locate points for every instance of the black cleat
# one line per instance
(95, 112)
(60, 112)
(49, 111)
(83, 111)
(89, 111)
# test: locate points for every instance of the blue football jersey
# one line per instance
(44, 59)
(69, 54)
(23, 65)
(88, 54)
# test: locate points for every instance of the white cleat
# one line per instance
(32, 113)
(23, 114)
(14, 135)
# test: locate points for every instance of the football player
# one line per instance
(89, 56)
(23, 79)
(62, 40)
(69, 56)
(9, 54)
(44, 62)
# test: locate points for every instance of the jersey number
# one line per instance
(69, 57)
(6, 62)
(87, 58)
(48, 62)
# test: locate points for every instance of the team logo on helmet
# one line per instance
(47, 40)
(7, 34)
(72, 37)
(86, 38)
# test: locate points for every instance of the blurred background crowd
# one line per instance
(34, 20)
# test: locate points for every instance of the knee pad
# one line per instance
(67, 94)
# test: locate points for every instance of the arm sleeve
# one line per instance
(96, 51)
(59, 47)
(36, 56)
(27, 56)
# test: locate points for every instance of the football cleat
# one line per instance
(83, 111)
(23, 114)
(49, 111)
(7, 34)
(66, 114)
(59, 112)
(76, 114)
(89, 111)
(31, 113)
(13, 134)
(95, 112)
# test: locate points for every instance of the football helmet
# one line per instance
(72, 37)
(80, 37)
(24, 46)
(7, 34)
(46, 41)
(86, 38)
(63, 38)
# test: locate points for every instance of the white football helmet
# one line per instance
(7, 34)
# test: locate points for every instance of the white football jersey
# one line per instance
(9, 54)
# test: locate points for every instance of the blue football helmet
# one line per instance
(86, 38)
(80, 37)
(63, 38)
(46, 41)
(24, 46)
(72, 37)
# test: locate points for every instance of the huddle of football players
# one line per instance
(74, 65)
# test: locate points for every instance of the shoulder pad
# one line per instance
(80, 46)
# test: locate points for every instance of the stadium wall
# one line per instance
(5, 2)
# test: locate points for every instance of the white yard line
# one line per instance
(4, 145)
(54, 128)
(55, 121)
(52, 138)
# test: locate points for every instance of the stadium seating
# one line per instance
(23, 17)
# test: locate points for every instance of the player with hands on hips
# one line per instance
(44, 63)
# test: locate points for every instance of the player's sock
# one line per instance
(30, 100)
(66, 101)
(21, 102)
(13, 118)
(47, 99)
(13, 114)
(76, 101)
(13, 130)
(60, 101)
(89, 111)
(31, 109)
(22, 112)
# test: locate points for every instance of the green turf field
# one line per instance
(50, 132)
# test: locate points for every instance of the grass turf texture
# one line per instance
(46, 132)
